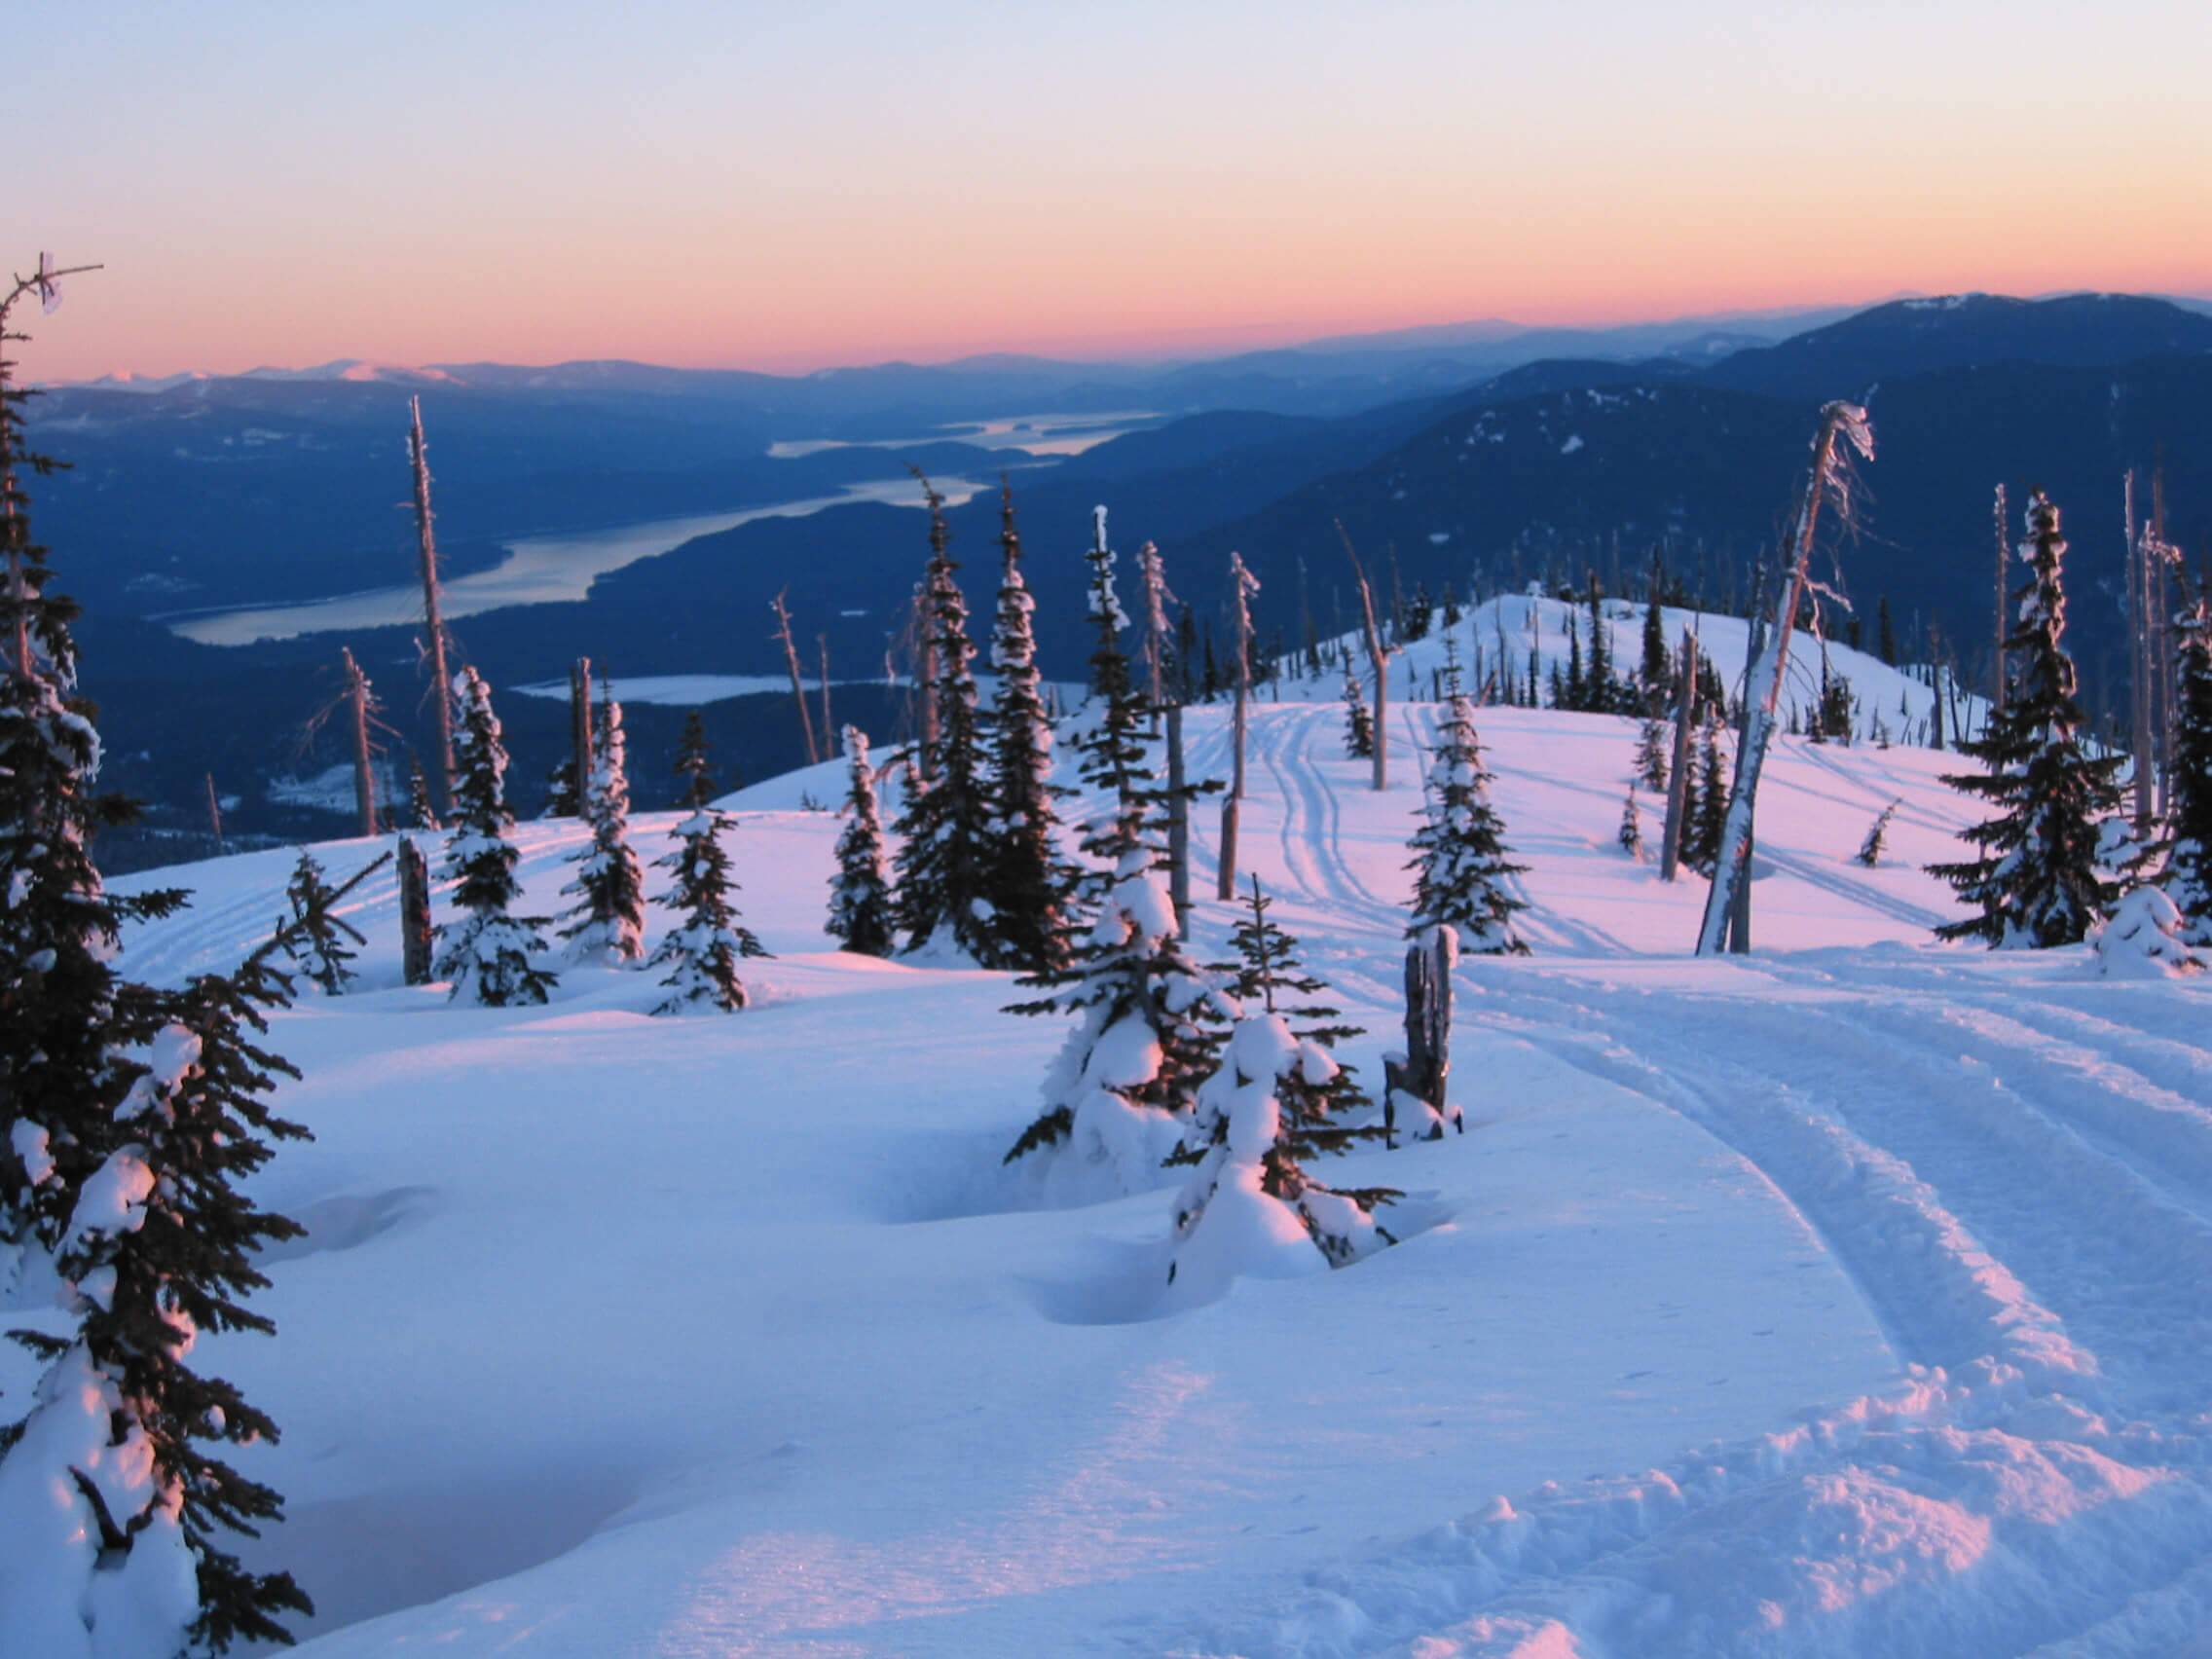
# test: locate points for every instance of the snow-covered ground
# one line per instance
(1851, 1298)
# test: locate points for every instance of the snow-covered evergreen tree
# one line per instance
(1632, 827)
(116, 1499)
(1654, 744)
(860, 893)
(320, 942)
(562, 799)
(1278, 1100)
(2142, 938)
(1124, 1085)
(1463, 876)
(702, 950)
(1359, 719)
(1705, 809)
(2037, 882)
(1655, 673)
(2187, 878)
(608, 924)
(1028, 881)
(420, 814)
(1870, 850)
(946, 852)
(487, 953)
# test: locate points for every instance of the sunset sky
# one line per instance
(793, 185)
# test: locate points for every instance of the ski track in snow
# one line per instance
(2008, 1160)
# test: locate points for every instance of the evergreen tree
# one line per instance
(486, 952)
(1655, 675)
(860, 895)
(1359, 721)
(1574, 693)
(1632, 827)
(1598, 679)
(1278, 1100)
(702, 951)
(2144, 939)
(2188, 878)
(1126, 1080)
(1885, 635)
(562, 799)
(420, 814)
(1463, 877)
(1877, 839)
(2037, 882)
(946, 854)
(1028, 881)
(1653, 746)
(1451, 611)
(1705, 809)
(317, 941)
(607, 923)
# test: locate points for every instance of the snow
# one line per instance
(1850, 1297)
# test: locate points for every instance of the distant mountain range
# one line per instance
(1477, 453)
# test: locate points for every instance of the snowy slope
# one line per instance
(1848, 1299)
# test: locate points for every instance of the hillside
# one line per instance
(1822, 1302)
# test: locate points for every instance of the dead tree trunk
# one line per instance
(828, 727)
(413, 914)
(2138, 661)
(798, 682)
(1378, 659)
(581, 758)
(2160, 557)
(433, 619)
(1420, 1080)
(214, 814)
(1244, 585)
(1997, 671)
(1678, 774)
(365, 773)
(1178, 823)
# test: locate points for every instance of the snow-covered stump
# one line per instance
(1417, 1081)
(415, 932)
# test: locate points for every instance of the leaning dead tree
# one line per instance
(1378, 659)
(360, 706)
(433, 617)
(1844, 429)
(798, 682)
(1243, 585)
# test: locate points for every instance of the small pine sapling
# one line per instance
(488, 954)
(317, 942)
(608, 924)
(2142, 938)
(702, 951)
(1278, 1100)
(420, 814)
(1651, 747)
(1359, 724)
(1870, 849)
(1464, 877)
(1631, 828)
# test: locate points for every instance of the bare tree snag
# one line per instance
(1243, 586)
(1678, 774)
(1378, 659)
(822, 641)
(413, 914)
(1178, 823)
(364, 770)
(1421, 1079)
(214, 814)
(581, 759)
(798, 683)
(433, 619)
(1996, 669)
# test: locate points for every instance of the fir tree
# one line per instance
(1885, 635)
(946, 853)
(1463, 877)
(860, 894)
(2037, 882)
(702, 951)
(1705, 808)
(1359, 722)
(1126, 1080)
(1574, 693)
(1655, 675)
(561, 797)
(2187, 878)
(420, 814)
(1653, 746)
(1632, 827)
(1278, 1100)
(608, 924)
(1027, 883)
(1870, 850)
(485, 952)
(318, 939)
(1598, 679)
(2143, 938)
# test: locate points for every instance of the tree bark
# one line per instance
(433, 619)
(413, 914)
(365, 773)
(798, 683)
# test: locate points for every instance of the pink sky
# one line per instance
(786, 188)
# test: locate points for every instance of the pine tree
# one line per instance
(1653, 745)
(420, 814)
(702, 951)
(946, 852)
(486, 952)
(608, 924)
(1877, 839)
(1885, 635)
(1632, 827)
(2037, 882)
(160, 1249)
(1126, 1080)
(1706, 813)
(2143, 938)
(860, 895)
(317, 941)
(1655, 675)
(1463, 877)
(1278, 1100)
(1598, 679)
(1359, 722)
(2187, 878)
(562, 799)
(1028, 881)
(1574, 693)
